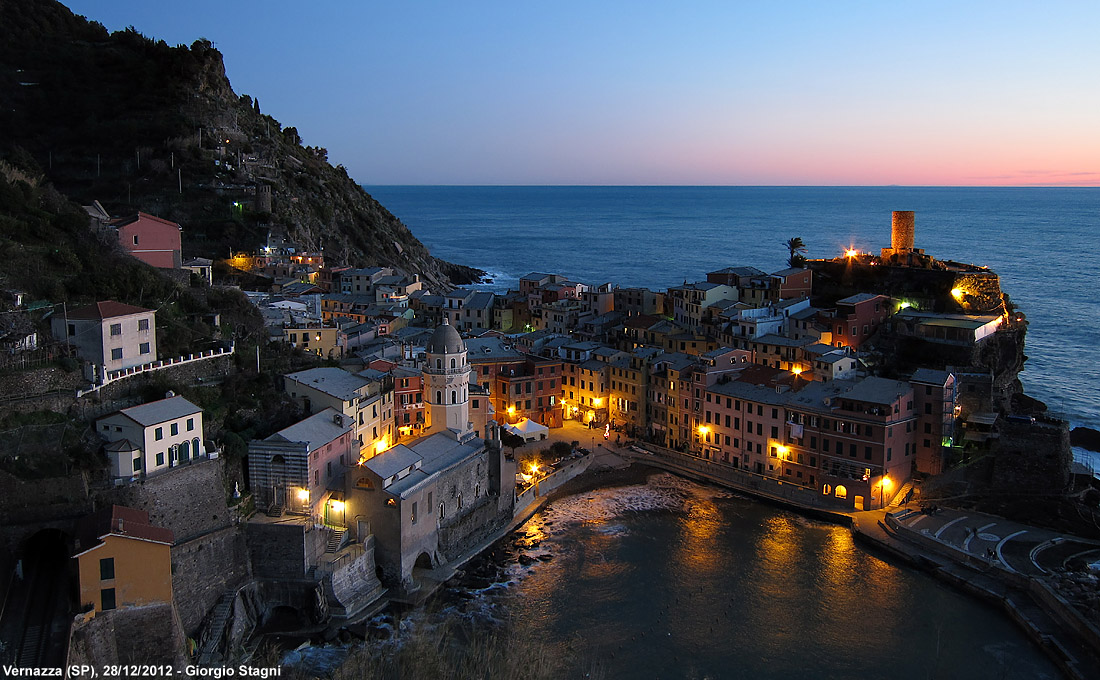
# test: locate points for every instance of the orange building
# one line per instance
(123, 560)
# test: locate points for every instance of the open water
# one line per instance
(673, 579)
(1041, 241)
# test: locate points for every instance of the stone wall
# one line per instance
(204, 569)
(283, 550)
(145, 635)
(1032, 458)
(354, 585)
(21, 383)
(190, 499)
(470, 528)
(25, 501)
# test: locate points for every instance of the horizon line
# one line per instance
(747, 186)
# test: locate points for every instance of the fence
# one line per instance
(35, 358)
(112, 376)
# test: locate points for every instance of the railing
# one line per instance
(750, 482)
(112, 376)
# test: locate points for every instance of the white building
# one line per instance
(151, 438)
(109, 335)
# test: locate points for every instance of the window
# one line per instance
(107, 569)
(414, 512)
(143, 324)
(72, 329)
(143, 348)
(442, 511)
(190, 424)
(174, 428)
(160, 459)
(107, 595)
(116, 353)
(158, 434)
(116, 329)
(476, 402)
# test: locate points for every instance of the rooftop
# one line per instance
(858, 298)
(119, 520)
(332, 381)
(108, 309)
(160, 411)
(316, 430)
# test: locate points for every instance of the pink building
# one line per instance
(853, 440)
(152, 240)
(857, 318)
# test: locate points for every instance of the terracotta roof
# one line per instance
(118, 520)
(125, 221)
(105, 310)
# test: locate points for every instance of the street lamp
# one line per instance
(883, 487)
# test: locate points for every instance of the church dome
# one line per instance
(446, 340)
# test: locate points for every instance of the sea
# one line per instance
(673, 579)
(1040, 241)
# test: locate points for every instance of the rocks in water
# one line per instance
(546, 557)
(526, 560)
(1085, 437)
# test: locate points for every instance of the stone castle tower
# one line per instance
(447, 382)
(903, 225)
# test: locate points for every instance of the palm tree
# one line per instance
(796, 248)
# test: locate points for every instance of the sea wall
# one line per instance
(134, 635)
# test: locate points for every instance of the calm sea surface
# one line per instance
(1040, 241)
(674, 579)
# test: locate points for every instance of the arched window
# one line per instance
(185, 451)
(195, 446)
(452, 362)
(477, 491)
(454, 397)
(841, 492)
(438, 397)
(442, 511)
(439, 363)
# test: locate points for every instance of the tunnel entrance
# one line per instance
(35, 623)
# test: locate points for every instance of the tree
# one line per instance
(511, 440)
(796, 248)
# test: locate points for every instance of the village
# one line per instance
(431, 421)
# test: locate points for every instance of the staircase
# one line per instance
(214, 633)
(275, 511)
(335, 540)
(899, 499)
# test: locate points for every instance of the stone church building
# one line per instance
(429, 501)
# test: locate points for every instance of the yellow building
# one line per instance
(320, 340)
(122, 560)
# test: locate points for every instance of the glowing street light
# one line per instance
(958, 293)
(885, 485)
(851, 252)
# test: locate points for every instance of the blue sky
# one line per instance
(840, 93)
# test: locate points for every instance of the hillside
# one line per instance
(141, 125)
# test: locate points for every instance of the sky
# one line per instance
(879, 92)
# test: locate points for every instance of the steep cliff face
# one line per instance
(141, 125)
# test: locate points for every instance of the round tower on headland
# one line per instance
(447, 382)
(901, 231)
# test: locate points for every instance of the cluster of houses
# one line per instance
(399, 444)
